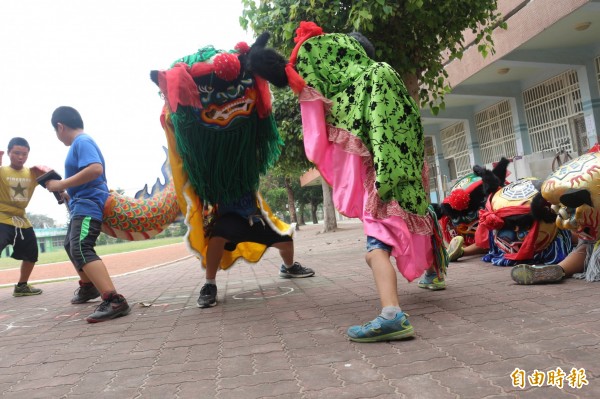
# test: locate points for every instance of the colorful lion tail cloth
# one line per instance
(145, 215)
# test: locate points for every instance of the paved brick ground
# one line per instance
(274, 338)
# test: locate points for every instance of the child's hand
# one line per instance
(54, 186)
(62, 197)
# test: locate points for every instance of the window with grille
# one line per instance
(548, 107)
(495, 132)
(430, 159)
(454, 146)
(597, 62)
(58, 242)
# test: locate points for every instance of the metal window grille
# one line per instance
(597, 62)
(430, 159)
(494, 126)
(548, 108)
(454, 146)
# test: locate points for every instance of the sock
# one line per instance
(20, 284)
(390, 312)
(211, 281)
(288, 266)
(108, 295)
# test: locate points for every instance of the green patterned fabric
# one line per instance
(202, 55)
(371, 102)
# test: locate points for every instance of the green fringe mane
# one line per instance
(226, 163)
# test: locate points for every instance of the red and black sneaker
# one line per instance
(113, 305)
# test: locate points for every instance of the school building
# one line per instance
(537, 95)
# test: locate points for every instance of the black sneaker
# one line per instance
(208, 296)
(26, 290)
(85, 293)
(296, 271)
(113, 305)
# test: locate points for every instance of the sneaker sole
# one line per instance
(458, 252)
(285, 275)
(210, 305)
(87, 300)
(120, 314)
(27, 294)
(527, 275)
(432, 287)
(398, 335)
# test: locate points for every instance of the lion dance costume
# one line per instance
(363, 132)
(573, 191)
(459, 211)
(221, 137)
(517, 227)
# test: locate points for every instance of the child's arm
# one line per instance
(87, 174)
(1, 155)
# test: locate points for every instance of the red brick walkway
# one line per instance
(117, 264)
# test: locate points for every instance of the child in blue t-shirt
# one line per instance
(86, 193)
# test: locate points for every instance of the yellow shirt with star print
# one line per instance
(16, 189)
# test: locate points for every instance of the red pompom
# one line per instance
(242, 47)
(307, 30)
(227, 66)
(458, 199)
(595, 148)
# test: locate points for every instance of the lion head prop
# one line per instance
(221, 135)
(574, 194)
(517, 227)
(459, 212)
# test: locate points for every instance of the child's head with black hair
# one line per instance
(364, 42)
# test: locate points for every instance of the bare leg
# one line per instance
(286, 250)
(574, 262)
(214, 253)
(473, 250)
(97, 273)
(26, 269)
(392, 323)
(384, 275)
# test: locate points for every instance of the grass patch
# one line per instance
(61, 255)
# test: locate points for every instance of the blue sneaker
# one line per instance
(432, 282)
(382, 329)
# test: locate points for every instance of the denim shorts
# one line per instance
(374, 243)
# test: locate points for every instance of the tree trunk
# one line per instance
(291, 203)
(412, 85)
(329, 221)
(302, 208)
(313, 212)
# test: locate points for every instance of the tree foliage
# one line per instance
(416, 37)
(292, 163)
(41, 221)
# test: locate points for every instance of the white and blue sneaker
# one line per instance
(381, 329)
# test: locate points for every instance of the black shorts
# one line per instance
(236, 229)
(24, 242)
(81, 239)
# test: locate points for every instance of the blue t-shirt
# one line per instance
(245, 206)
(89, 198)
